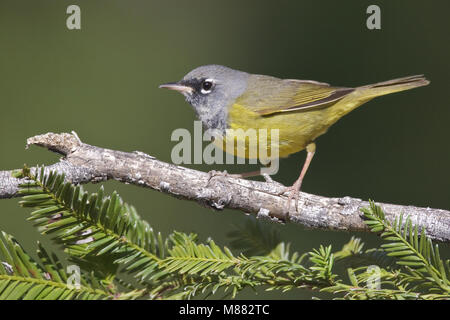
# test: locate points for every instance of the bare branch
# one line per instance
(83, 163)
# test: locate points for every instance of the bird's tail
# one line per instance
(365, 93)
(381, 88)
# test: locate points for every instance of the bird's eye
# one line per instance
(207, 86)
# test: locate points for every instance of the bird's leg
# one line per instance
(294, 190)
(243, 175)
(214, 173)
(256, 173)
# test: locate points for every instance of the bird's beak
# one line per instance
(177, 86)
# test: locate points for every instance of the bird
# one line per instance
(301, 110)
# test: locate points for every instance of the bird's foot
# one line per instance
(224, 173)
(214, 173)
(220, 174)
(294, 194)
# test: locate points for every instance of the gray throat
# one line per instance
(214, 120)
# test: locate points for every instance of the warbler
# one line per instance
(301, 110)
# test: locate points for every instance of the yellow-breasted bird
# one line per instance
(301, 110)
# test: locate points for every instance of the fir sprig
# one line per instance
(122, 257)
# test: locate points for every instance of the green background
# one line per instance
(102, 81)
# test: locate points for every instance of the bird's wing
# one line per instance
(269, 95)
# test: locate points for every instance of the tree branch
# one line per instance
(83, 163)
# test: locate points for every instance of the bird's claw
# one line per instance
(215, 173)
(220, 174)
(294, 194)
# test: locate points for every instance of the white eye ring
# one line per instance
(207, 86)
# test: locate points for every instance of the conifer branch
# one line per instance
(89, 226)
(83, 163)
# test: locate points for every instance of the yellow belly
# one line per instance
(296, 129)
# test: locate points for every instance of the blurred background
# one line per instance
(102, 82)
